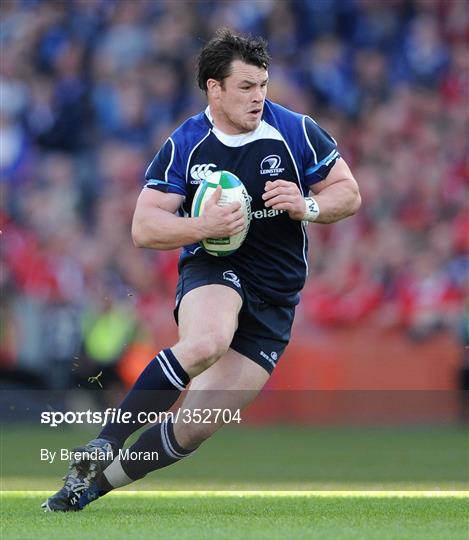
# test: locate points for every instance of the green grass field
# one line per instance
(271, 482)
(169, 515)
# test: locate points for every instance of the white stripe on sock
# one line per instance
(168, 447)
(168, 375)
(116, 475)
(170, 368)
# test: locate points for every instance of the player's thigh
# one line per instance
(208, 308)
(207, 319)
(228, 385)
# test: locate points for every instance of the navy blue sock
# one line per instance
(157, 388)
(162, 448)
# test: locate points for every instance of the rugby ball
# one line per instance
(233, 190)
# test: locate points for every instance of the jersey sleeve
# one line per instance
(321, 152)
(166, 173)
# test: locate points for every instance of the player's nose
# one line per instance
(258, 96)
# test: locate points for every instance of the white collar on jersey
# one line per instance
(263, 131)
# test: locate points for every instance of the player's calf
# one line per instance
(192, 435)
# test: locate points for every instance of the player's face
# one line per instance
(237, 103)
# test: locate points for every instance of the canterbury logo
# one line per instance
(201, 172)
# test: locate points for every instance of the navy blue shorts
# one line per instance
(263, 329)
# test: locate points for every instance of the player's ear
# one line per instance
(213, 88)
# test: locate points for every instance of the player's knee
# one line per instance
(206, 349)
(210, 347)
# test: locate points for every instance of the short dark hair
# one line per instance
(214, 61)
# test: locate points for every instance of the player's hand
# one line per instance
(221, 221)
(284, 195)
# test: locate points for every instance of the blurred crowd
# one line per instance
(89, 90)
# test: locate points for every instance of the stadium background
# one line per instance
(89, 91)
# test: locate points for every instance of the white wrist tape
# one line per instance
(312, 209)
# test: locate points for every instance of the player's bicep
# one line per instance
(151, 199)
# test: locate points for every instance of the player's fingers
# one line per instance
(280, 190)
(268, 195)
(238, 219)
(283, 206)
(234, 206)
(269, 185)
(237, 216)
(236, 223)
(283, 203)
(280, 199)
(229, 217)
(237, 227)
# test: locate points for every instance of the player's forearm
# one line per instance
(158, 229)
(338, 201)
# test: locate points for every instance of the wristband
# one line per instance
(312, 209)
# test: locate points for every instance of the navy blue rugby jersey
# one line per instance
(273, 259)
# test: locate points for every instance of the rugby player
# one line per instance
(234, 313)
